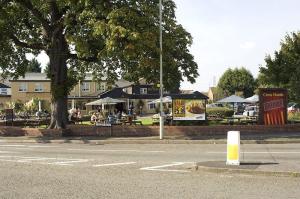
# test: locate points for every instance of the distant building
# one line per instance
(5, 95)
(37, 85)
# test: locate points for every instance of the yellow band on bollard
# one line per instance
(232, 152)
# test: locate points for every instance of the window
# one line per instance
(101, 87)
(3, 91)
(38, 87)
(85, 87)
(143, 90)
(22, 87)
(151, 106)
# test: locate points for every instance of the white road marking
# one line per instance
(69, 162)
(264, 152)
(34, 159)
(11, 145)
(159, 168)
(113, 164)
(9, 152)
(116, 150)
(41, 146)
(26, 159)
(22, 148)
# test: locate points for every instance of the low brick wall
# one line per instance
(127, 131)
(35, 132)
(141, 131)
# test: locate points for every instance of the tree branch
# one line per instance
(86, 59)
(34, 46)
(55, 14)
(28, 4)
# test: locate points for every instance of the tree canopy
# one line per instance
(283, 69)
(116, 38)
(108, 38)
(34, 66)
(237, 80)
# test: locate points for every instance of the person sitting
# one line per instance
(79, 117)
(94, 118)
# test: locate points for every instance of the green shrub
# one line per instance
(294, 116)
(219, 112)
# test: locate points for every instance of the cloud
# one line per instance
(247, 45)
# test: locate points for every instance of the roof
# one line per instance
(122, 83)
(115, 93)
(119, 93)
(33, 77)
(88, 77)
(4, 86)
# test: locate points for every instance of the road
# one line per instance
(140, 171)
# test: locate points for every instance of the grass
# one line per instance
(146, 121)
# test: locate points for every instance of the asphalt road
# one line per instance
(140, 171)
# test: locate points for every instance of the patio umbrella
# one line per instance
(233, 99)
(253, 99)
(106, 100)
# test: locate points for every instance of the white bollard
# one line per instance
(233, 148)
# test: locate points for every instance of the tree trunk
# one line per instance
(59, 87)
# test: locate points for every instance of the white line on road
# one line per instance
(27, 159)
(159, 168)
(69, 162)
(34, 159)
(12, 145)
(114, 164)
(266, 152)
(40, 146)
(115, 150)
(9, 152)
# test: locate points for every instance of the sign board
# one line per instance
(273, 106)
(188, 109)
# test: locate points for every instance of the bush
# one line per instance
(219, 112)
(294, 116)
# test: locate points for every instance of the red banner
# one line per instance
(273, 106)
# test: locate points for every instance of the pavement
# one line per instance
(249, 166)
(253, 138)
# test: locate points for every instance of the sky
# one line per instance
(234, 33)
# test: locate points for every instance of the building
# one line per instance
(37, 85)
(5, 95)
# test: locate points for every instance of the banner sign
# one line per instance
(188, 109)
(273, 106)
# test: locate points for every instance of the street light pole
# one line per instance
(161, 118)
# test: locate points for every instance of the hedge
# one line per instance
(219, 112)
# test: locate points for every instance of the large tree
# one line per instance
(283, 69)
(34, 66)
(109, 38)
(237, 80)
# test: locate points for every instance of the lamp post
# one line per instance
(161, 117)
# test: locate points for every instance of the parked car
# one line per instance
(250, 111)
(213, 105)
(293, 107)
